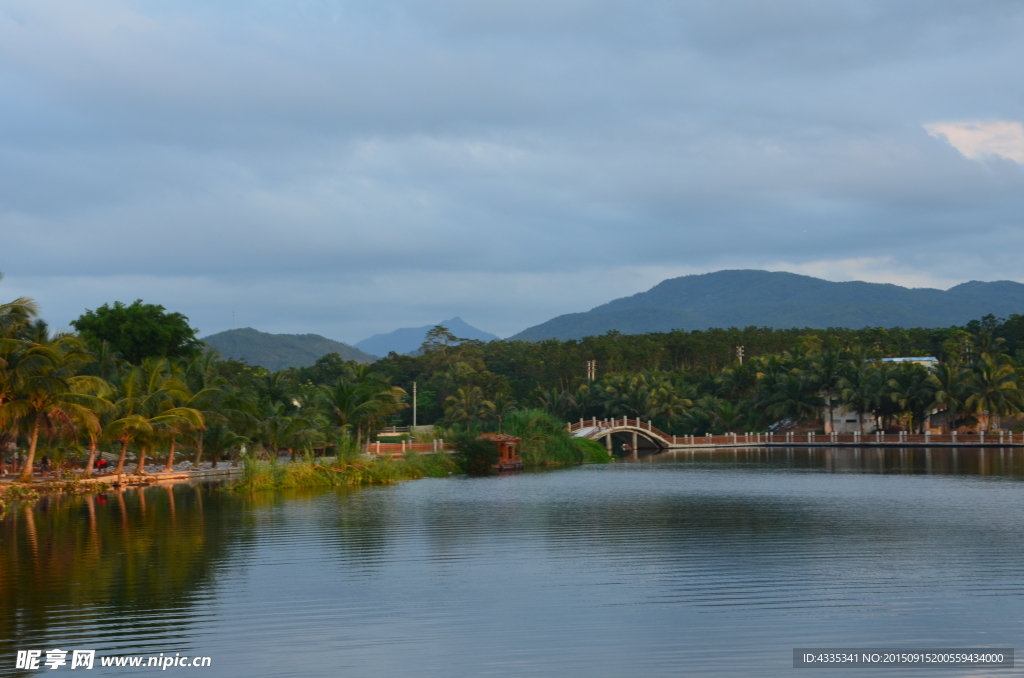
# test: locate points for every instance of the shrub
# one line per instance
(475, 456)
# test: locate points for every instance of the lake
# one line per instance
(705, 564)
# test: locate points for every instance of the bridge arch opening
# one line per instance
(643, 446)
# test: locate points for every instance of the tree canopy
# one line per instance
(139, 331)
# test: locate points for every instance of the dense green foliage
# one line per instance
(475, 456)
(138, 331)
(280, 351)
(777, 299)
(59, 397)
(72, 400)
(694, 383)
(538, 373)
(545, 441)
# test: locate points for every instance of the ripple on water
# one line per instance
(667, 568)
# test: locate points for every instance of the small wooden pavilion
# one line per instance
(508, 451)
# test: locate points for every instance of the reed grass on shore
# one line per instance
(334, 472)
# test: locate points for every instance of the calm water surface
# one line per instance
(667, 567)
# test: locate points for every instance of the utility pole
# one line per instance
(591, 370)
(414, 404)
(739, 354)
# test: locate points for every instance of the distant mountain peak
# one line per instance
(409, 339)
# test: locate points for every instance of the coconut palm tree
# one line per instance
(584, 399)
(168, 425)
(103, 408)
(914, 391)
(360, 399)
(993, 388)
(14, 315)
(197, 387)
(553, 400)
(146, 403)
(125, 430)
(51, 397)
(952, 387)
(860, 387)
(826, 370)
(632, 395)
(468, 406)
(726, 417)
(793, 397)
(499, 407)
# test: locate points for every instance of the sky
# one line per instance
(347, 168)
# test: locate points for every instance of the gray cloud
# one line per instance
(350, 167)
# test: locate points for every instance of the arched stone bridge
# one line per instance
(644, 434)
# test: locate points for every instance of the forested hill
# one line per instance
(280, 351)
(782, 300)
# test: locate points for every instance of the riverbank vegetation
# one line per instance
(134, 386)
(332, 472)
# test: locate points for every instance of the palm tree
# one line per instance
(218, 438)
(499, 407)
(726, 416)
(171, 422)
(826, 370)
(360, 399)
(632, 395)
(993, 388)
(146, 403)
(102, 408)
(199, 388)
(951, 384)
(672, 400)
(276, 428)
(468, 406)
(793, 397)
(860, 387)
(736, 381)
(583, 400)
(51, 397)
(125, 430)
(555, 401)
(913, 390)
(14, 315)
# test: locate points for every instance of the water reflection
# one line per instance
(102, 564)
(977, 461)
(664, 567)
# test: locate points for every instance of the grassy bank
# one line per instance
(545, 442)
(333, 472)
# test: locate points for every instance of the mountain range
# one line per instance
(409, 339)
(739, 298)
(742, 298)
(279, 351)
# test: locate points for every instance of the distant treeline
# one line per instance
(525, 370)
(135, 380)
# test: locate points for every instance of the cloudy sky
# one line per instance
(347, 168)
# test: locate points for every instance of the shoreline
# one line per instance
(78, 485)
